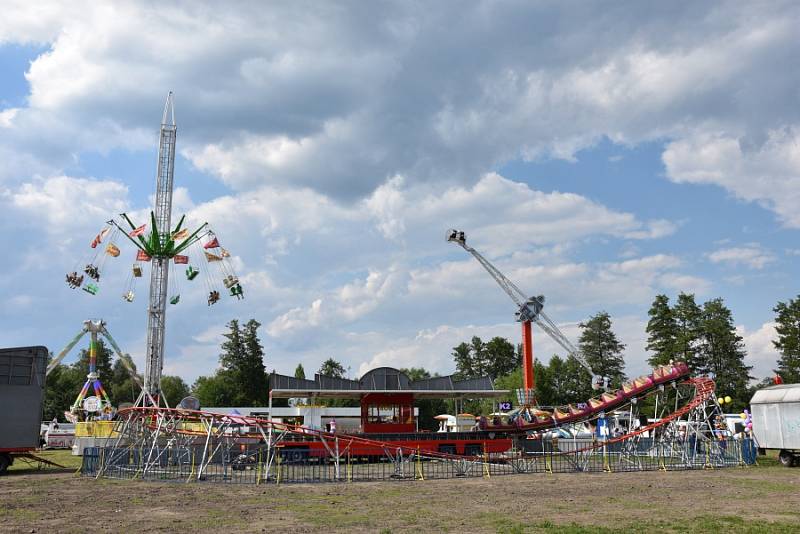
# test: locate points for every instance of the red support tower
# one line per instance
(528, 379)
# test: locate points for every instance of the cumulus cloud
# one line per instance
(761, 353)
(766, 170)
(751, 255)
(349, 146)
(342, 106)
(432, 348)
(62, 206)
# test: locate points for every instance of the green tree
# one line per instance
(662, 332)
(299, 372)
(122, 387)
(242, 365)
(575, 384)
(214, 390)
(174, 389)
(103, 361)
(788, 343)
(494, 359)
(462, 355)
(721, 353)
(332, 368)
(233, 349)
(61, 388)
(688, 318)
(502, 357)
(601, 348)
(252, 372)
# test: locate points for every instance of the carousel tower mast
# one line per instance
(156, 310)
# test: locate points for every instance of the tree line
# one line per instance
(702, 335)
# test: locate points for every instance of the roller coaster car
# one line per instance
(596, 403)
(611, 396)
(574, 410)
(559, 415)
(663, 371)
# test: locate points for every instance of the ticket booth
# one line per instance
(387, 413)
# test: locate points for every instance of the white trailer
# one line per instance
(776, 421)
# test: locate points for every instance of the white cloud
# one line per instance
(7, 117)
(761, 354)
(342, 106)
(62, 206)
(765, 171)
(351, 146)
(432, 348)
(750, 255)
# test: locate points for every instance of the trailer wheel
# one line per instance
(5, 461)
(786, 458)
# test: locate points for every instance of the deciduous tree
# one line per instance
(787, 326)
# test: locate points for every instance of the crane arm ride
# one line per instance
(529, 310)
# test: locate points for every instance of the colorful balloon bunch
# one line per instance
(748, 420)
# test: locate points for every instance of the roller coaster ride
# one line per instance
(668, 422)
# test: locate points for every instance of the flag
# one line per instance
(212, 257)
(181, 234)
(180, 259)
(112, 250)
(99, 237)
(142, 256)
(212, 244)
(224, 253)
(139, 231)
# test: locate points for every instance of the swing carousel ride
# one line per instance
(164, 248)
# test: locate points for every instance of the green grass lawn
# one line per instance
(63, 457)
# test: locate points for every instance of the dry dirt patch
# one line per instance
(733, 499)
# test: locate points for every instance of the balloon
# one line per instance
(743, 415)
(728, 400)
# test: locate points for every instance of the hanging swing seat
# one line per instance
(191, 274)
(93, 272)
(137, 270)
(213, 297)
(230, 281)
(90, 288)
(74, 280)
(236, 291)
(175, 299)
(128, 296)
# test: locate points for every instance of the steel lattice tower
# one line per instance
(156, 310)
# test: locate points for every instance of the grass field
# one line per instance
(765, 498)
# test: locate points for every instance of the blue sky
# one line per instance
(598, 154)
